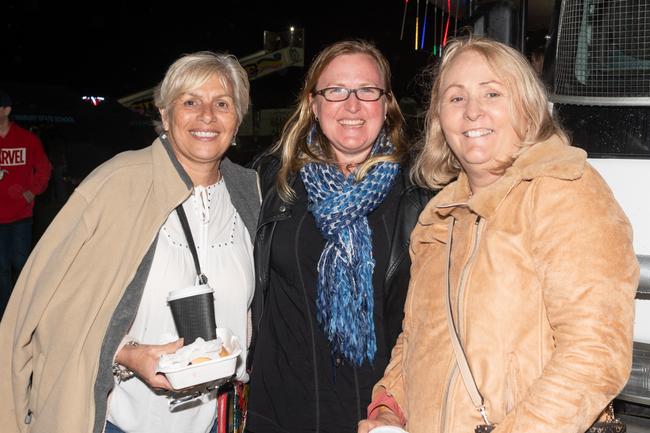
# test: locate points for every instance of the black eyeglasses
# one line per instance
(339, 94)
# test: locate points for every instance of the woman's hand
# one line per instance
(143, 360)
(385, 417)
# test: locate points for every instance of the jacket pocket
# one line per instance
(36, 385)
(513, 386)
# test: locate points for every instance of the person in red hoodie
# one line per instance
(24, 173)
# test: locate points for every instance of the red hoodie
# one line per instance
(23, 166)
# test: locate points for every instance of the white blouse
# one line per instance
(225, 254)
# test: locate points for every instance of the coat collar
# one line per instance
(550, 158)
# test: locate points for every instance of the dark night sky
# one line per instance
(116, 48)
(51, 53)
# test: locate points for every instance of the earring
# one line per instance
(233, 143)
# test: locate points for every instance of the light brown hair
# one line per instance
(292, 145)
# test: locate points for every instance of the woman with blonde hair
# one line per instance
(331, 257)
(89, 319)
(521, 302)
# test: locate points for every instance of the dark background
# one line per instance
(116, 48)
(53, 53)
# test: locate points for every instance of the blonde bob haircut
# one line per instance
(193, 70)
(292, 145)
(436, 165)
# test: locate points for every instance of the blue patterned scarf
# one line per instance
(340, 206)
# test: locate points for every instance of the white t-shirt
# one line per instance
(225, 254)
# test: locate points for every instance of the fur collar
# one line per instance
(550, 158)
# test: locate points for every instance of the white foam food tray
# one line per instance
(185, 376)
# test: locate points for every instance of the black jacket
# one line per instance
(410, 202)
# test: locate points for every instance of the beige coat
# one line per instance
(63, 324)
(543, 278)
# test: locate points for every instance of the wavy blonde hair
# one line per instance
(292, 145)
(436, 165)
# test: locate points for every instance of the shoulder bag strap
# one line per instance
(190, 241)
(461, 359)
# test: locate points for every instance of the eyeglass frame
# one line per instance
(321, 92)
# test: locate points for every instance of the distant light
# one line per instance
(291, 29)
(95, 100)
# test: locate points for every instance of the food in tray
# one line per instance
(195, 353)
(202, 361)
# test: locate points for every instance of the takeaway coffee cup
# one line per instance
(193, 312)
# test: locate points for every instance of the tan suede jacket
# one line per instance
(543, 279)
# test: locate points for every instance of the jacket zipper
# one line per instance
(311, 325)
(478, 224)
(464, 274)
(445, 401)
(283, 212)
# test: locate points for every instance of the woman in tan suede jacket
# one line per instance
(537, 255)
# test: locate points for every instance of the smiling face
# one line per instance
(476, 118)
(201, 124)
(351, 126)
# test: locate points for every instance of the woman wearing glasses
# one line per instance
(331, 255)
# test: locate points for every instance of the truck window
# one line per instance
(606, 132)
(601, 82)
(604, 51)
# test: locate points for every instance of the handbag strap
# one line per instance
(190, 242)
(459, 353)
